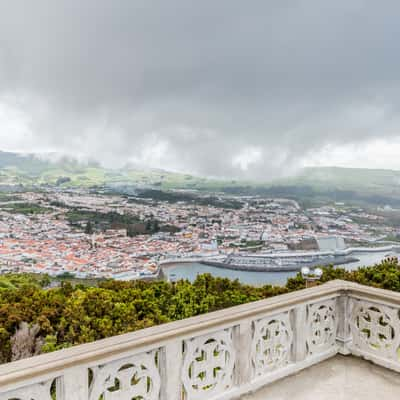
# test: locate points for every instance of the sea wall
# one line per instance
(281, 268)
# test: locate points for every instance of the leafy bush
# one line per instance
(69, 315)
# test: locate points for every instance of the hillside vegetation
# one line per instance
(311, 186)
(69, 315)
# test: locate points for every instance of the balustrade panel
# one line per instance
(39, 391)
(271, 345)
(208, 365)
(375, 329)
(135, 377)
(322, 322)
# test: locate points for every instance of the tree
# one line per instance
(148, 225)
(25, 342)
(89, 228)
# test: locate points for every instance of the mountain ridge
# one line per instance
(330, 182)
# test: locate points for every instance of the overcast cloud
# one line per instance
(218, 88)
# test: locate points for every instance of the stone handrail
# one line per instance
(219, 355)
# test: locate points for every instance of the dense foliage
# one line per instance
(176, 197)
(24, 208)
(113, 220)
(69, 314)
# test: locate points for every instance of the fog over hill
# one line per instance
(226, 88)
(372, 186)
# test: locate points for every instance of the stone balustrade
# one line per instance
(220, 355)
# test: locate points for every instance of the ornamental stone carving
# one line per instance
(322, 326)
(39, 391)
(271, 344)
(375, 328)
(135, 377)
(208, 365)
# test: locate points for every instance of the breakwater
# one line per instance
(281, 268)
(355, 250)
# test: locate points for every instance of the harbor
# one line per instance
(190, 270)
(281, 267)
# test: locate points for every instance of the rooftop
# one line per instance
(339, 378)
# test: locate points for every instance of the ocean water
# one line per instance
(191, 270)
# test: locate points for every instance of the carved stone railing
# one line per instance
(220, 355)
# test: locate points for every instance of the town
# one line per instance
(92, 234)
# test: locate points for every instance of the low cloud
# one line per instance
(227, 88)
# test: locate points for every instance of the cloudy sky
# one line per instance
(214, 87)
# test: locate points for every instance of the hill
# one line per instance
(315, 185)
(29, 170)
(374, 181)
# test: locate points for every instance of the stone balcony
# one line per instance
(338, 378)
(287, 347)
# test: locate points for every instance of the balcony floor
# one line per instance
(340, 378)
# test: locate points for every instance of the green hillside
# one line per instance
(373, 180)
(28, 170)
(324, 184)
